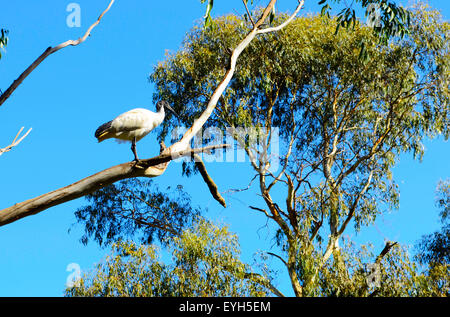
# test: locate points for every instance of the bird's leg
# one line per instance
(133, 149)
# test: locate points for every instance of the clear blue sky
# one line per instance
(78, 88)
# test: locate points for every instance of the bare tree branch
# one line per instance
(261, 210)
(50, 50)
(241, 189)
(248, 12)
(288, 20)
(389, 245)
(208, 180)
(278, 257)
(14, 142)
(144, 168)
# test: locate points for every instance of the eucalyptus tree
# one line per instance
(204, 262)
(136, 209)
(343, 120)
(393, 20)
(3, 40)
(435, 248)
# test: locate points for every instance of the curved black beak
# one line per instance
(166, 105)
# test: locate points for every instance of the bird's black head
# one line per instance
(161, 104)
(165, 104)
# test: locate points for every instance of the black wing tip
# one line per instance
(102, 128)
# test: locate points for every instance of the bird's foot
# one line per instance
(136, 163)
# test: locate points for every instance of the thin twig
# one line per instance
(278, 257)
(242, 189)
(261, 210)
(248, 12)
(288, 20)
(15, 142)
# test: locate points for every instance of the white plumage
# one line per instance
(133, 125)
(136, 123)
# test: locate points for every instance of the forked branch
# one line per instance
(144, 168)
(15, 142)
(50, 50)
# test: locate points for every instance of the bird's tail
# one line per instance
(102, 132)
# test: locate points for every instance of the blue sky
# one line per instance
(78, 88)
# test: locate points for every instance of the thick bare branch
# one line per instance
(265, 14)
(48, 52)
(15, 142)
(208, 180)
(145, 168)
(389, 245)
(290, 205)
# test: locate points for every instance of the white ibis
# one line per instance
(133, 125)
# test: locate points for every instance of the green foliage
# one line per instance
(3, 40)
(391, 19)
(434, 248)
(205, 262)
(209, 6)
(443, 200)
(135, 208)
(399, 276)
(345, 120)
(312, 85)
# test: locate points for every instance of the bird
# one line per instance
(133, 125)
